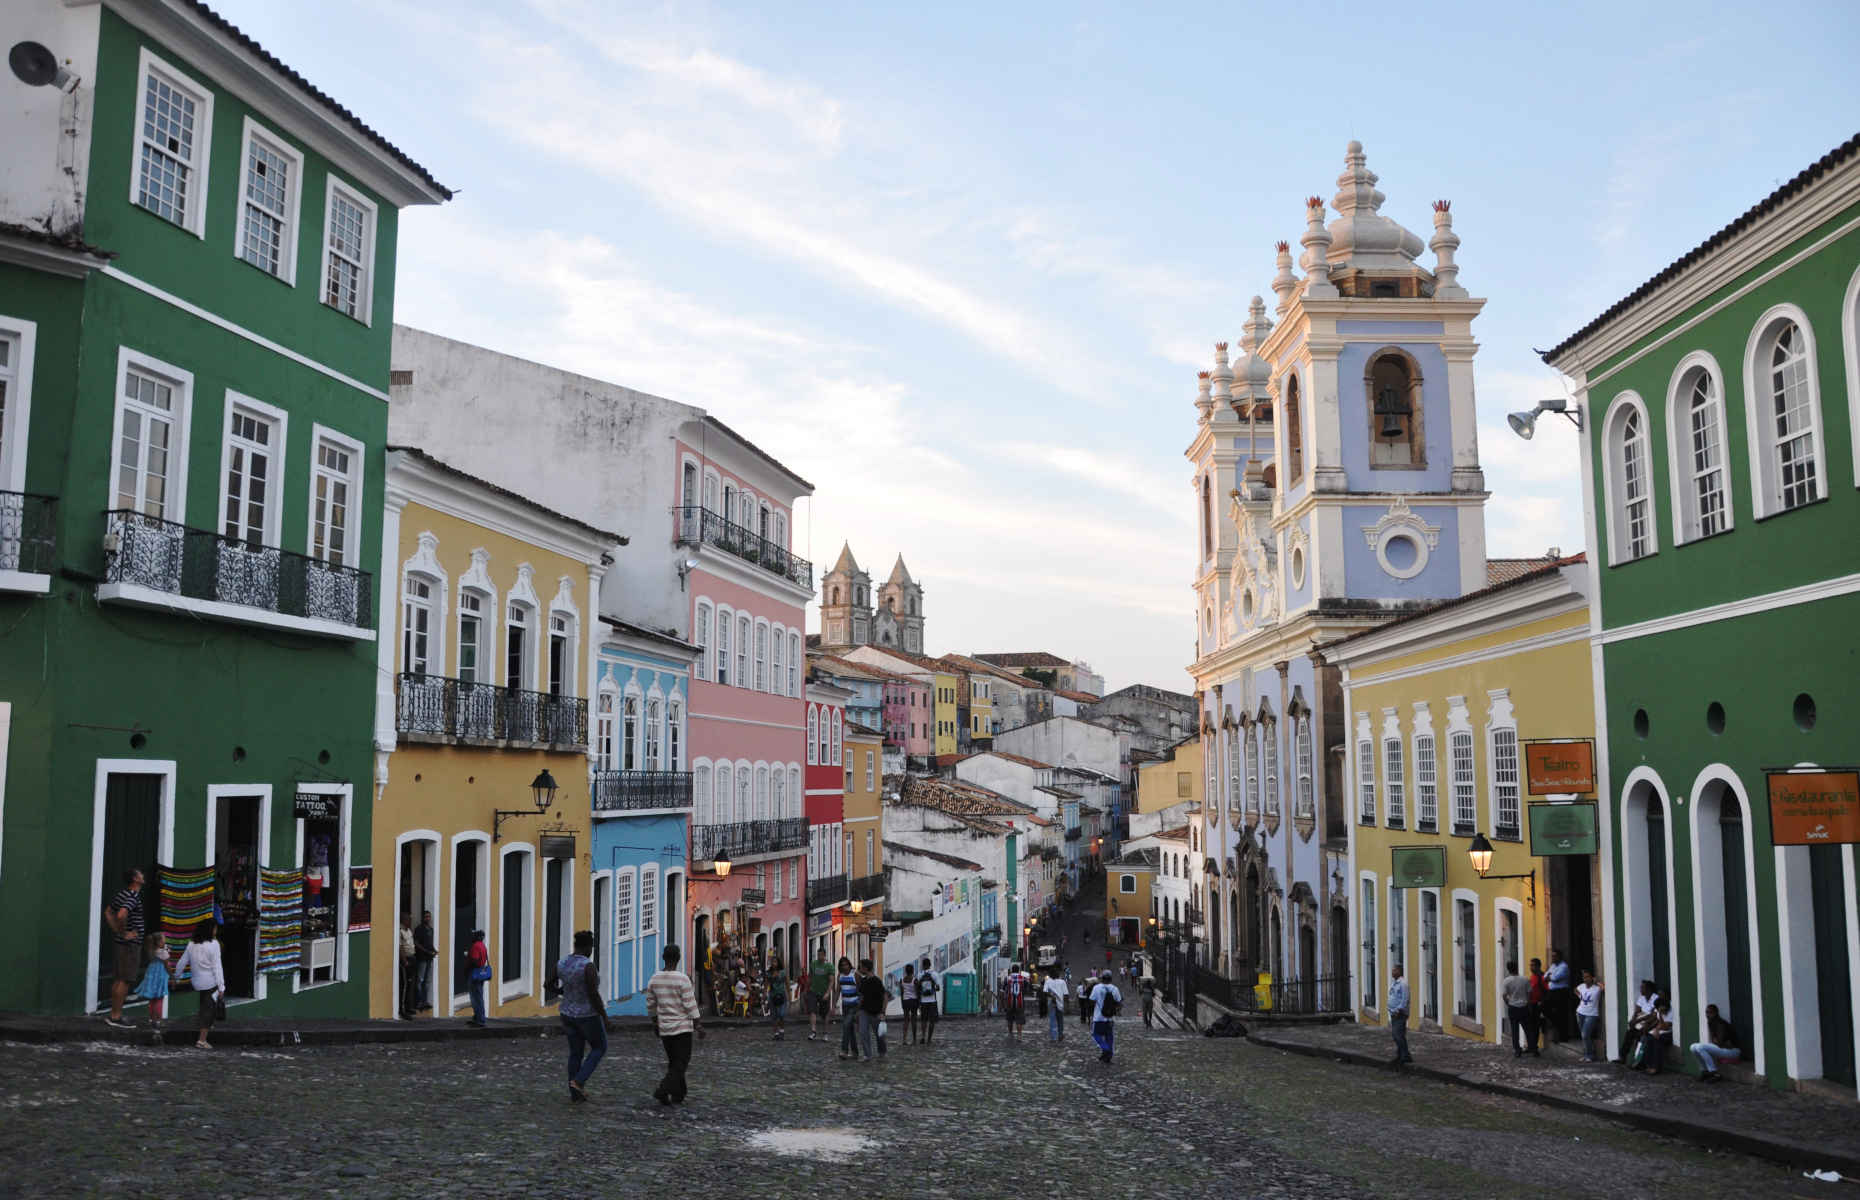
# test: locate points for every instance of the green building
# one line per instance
(196, 304)
(1720, 410)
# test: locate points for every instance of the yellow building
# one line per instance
(944, 695)
(1172, 779)
(864, 825)
(1470, 727)
(486, 648)
(981, 706)
(1127, 902)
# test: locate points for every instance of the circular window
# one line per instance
(1642, 726)
(1805, 712)
(1298, 566)
(1714, 717)
(1401, 553)
(1246, 604)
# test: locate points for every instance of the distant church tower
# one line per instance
(846, 603)
(901, 610)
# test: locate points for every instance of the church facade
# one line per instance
(1337, 485)
(852, 614)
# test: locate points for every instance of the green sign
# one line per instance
(1418, 866)
(1563, 828)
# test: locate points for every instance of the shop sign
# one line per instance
(1560, 767)
(877, 935)
(558, 845)
(1563, 828)
(754, 896)
(361, 906)
(821, 922)
(1814, 808)
(1418, 866)
(317, 806)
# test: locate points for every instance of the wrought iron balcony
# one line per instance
(621, 791)
(868, 888)
(701, 526)
(1192, 914)
(436, 706)
(826, 891)
(200, 565)
(1073, 834)
(745, 838)
(27, 533)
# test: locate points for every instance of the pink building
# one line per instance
(826, 813)
(747, 593)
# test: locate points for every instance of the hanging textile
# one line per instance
(186, 901)
(280, 920)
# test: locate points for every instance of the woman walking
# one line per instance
(202, 959)
(849, 1009)
(778, 996)
(478, 960)
(908, 1001)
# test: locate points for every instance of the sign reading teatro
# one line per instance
(1560, 767)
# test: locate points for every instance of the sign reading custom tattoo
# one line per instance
(1559, 768)
(1814, 808)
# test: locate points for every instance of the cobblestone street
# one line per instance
(975, 1115)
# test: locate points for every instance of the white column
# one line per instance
(387, 623)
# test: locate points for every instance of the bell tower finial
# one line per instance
(1444, 243)
(1284, 283)
(1316, 259)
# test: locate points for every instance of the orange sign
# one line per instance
(1814, 808)
(1559, 768)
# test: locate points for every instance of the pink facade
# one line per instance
(917, 718)
(747, 600)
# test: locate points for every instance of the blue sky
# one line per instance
(959, 264)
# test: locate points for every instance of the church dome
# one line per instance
(1361, 238)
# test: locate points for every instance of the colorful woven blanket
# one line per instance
(186, 901)
(280, 920)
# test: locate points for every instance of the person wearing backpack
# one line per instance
(927, 989)
(1106, 1000)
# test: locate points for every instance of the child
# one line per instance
(154, 985)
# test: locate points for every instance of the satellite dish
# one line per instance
(37, 66)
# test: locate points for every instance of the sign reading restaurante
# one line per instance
(1564, 767)
(1563, 828)
(1814, 808)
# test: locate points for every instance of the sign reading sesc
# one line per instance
(1814, 808)
(1563, 828)
(1559, 768)
(1418, 866)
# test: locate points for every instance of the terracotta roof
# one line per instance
(311, 90)
(948, 860)
(1178, 834)
(845, 666)
(1504, 570)
(1023, 658)
(1762, 208)
(972, 805)
(1149, 858)
(1001, 673)
(449, 469)
(1549, 567)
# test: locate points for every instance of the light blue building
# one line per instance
(641, 797)
(1337, 485)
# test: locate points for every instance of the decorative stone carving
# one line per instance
(1401, 522)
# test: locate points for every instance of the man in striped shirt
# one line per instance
(672, 1006)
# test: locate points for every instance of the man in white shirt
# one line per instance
(1105, 999)
(1398, 1015)
(1056, 991)
(672, 1007)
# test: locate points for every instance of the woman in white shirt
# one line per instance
(202, 957)
(1589, 1013)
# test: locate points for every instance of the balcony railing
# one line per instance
(202, 565)
(1073, 834)
(826, 892)
(702, 526)
(27, 532)
(744, 838)
(867, 888)
(457, 708)
(1192, 915)
(621, 791)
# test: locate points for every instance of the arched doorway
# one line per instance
(1815, 908)
(1276, 936)
(700, 946)
(1253, 901)
(1307, 966)
(1645, 860)
(1723, 872)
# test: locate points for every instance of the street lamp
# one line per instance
(1524, 424)
(721, 866)
(858, 906)
(1480, 852)
(542, 792)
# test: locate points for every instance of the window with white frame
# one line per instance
(794, 665)
(1460, 767)
(249, 501)
(1505, 819)
(794, 791)
(1426, 784)
(778, 679)
(762, 794)
(813, 735)
(1252, 770)
(1234, 768)
(674, 735)
(847, 784)
(151, 441)
(648, 900)
(1307, 797)
(519, 662)
(778, 801)
(794, 879)
(1395, 781)
(472, 649)
(348, 252)
(742, 651)
(173, 138)
(700, 796)
(1367, 915)
(745, 798)
(604, 729)
(1789, 418)
(654, 733)
(870, 759)
(1270, 737)
(724, 623)
(836, 737)
(272, 177)
(416, 625)
(1633, 504)
(762, 656)
(1466, 947)
(700, 637)
(561, 654)
(333, 487)
(629, 733)
(1703, 489)
(1365, 776)
(15, 387)
(623, 905)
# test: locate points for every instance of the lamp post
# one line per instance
(1480, 852)
(542, 792)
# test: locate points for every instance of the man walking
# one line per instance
(819, 984)
(1398, 1015)
(871, 1008)
(672, 1007)
(1105, 1001)
(1056, 991)
(1559, 996)
(123, 914)
(1517, 992)
(927, 1002)
(425, 950)
(584, 1016)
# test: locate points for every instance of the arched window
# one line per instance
(825, 745)
(519, 659)
(655, 727)
(604, 732)
(742, 651)
(1627, 482)
(813, 734)
(1307, 797)
(416, 626)
(629, 733)
(674, 735)
(1393, 385)
(700, 795)
(1294, 434)
(762, 794)
(1784, 412)
(1696, 450)
(794, 665)
(836, 737)
(723, 645)
(1270, 736)
(720, 802)
(744, 797)
(1207, 518)
(700, 636)
(778, 803)
(834, 594)
(794, 791)
(762, 655)
(778, 679)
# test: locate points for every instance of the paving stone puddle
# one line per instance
(824, 1145)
